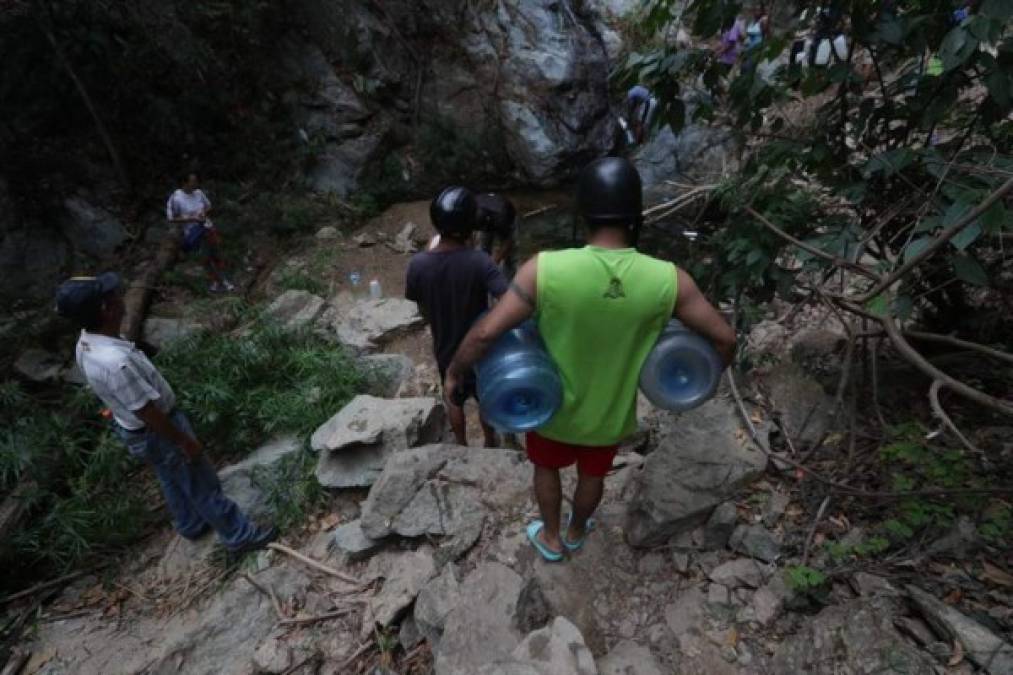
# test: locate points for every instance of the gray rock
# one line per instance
(464, 539)
(480, 628)
(408, 634)
(404, 242)
(435, 601)
(718, 595)
(295, 309)
(768, 601)
(404, 574)
(804, 408)
(365, 239)
(629, 658)
(369, 323)
(159, 331)
(91, 229)
(240, 481)
(981, 645)
(775, 508)
(766, 338)
(38, 365)
(440, 489)
(706, 152)
(339, 166)
(855, 637)
(386, 373)
(720, 525)
(352, 542)
(32, 253)
(755, 541)
(702, 459)
(687, 612)
(273, 656)
(680, 561)
(738, 573)
(960, 541)
(556, 649)
(327, 233)
(872, 584)
(355, 444)
(656, 159)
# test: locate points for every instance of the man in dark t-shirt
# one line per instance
(451, 284)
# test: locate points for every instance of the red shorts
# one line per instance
(591, 460)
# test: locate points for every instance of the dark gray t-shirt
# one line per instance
(452, 289)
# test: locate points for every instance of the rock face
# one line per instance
(755, 541)
(700, 461)
(856, 637)
(352, 542)
(32, 254)
(239, 481)
(805, 409)
(94, 231)
(295, 309)
(404, 576)
(557, 649)
(738, 573)
(355, 444)
(386, 373)
(442, 490)
(368, 323)
(434, 603)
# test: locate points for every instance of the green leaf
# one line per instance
(928, 224)
(995, 218)
(916, 247)
(889, 162)
(956, 47)
(997, 9)
(998, 87)
(967, 236)
(754, 256)
(969, 270)
(879, 305)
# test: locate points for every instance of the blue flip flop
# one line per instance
(577, 545)
(533, 529)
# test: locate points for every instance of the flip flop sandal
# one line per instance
(547, 553)
(577, 545)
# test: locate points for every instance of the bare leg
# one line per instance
(457, 424)
(549, 495)
(586, 498)
(489, 433)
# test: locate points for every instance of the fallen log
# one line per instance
(138, 294)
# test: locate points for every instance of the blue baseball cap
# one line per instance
(80, 298)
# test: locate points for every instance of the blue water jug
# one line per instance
(518, 385)
(682, 371)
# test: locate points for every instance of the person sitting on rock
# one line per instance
(145, 417)
(497, 223)
(452, 284)
(189, 207)
(599, 310)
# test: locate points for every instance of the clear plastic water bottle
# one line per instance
(519, 388)
(375, 290)
(682, 371)
(355, 278)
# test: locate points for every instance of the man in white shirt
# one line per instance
(145, 417)
(189, 207)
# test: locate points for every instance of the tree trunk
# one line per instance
(138, 294)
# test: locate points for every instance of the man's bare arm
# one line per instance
(156, 420)
(516, 305)
(694, 310)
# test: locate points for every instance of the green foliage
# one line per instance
(300, 280)
(997, 524)
(241, 391)
(291, 488)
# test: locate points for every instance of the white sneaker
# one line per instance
(215, 287)
(228, 286)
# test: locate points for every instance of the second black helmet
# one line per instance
(609, 193)
(453, 211)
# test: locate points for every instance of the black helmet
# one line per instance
(609, 193)
(453, 211)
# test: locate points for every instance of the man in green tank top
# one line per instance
(600, 310)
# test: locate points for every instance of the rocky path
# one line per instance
(430, 571)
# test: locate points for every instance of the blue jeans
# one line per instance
(192, 490)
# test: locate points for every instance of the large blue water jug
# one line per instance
(518, 385)
(682, 371)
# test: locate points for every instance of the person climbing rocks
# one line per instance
(452, 284)
(145, 417)
(189, 207)
(599, 310)
(497, 225)
(756, 31)
(731, 43)
(641, 108)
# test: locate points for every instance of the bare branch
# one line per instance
(937, 410)
(957, 342)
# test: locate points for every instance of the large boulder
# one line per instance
(629, 658)
(404, 574)
(160, 331)
(855, 637)
(483, 626)
(386, 373)
(367, 324)
(38, 365)
(90, 229)
(980, 644)
(295, 309)
(434, 603)
(443, 489)
(355, 444)
(702, 458)
(243, 482)
(556, 649)
(32, 253)
(805, 410)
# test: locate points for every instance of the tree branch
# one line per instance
(937, 410)
(957, 342)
